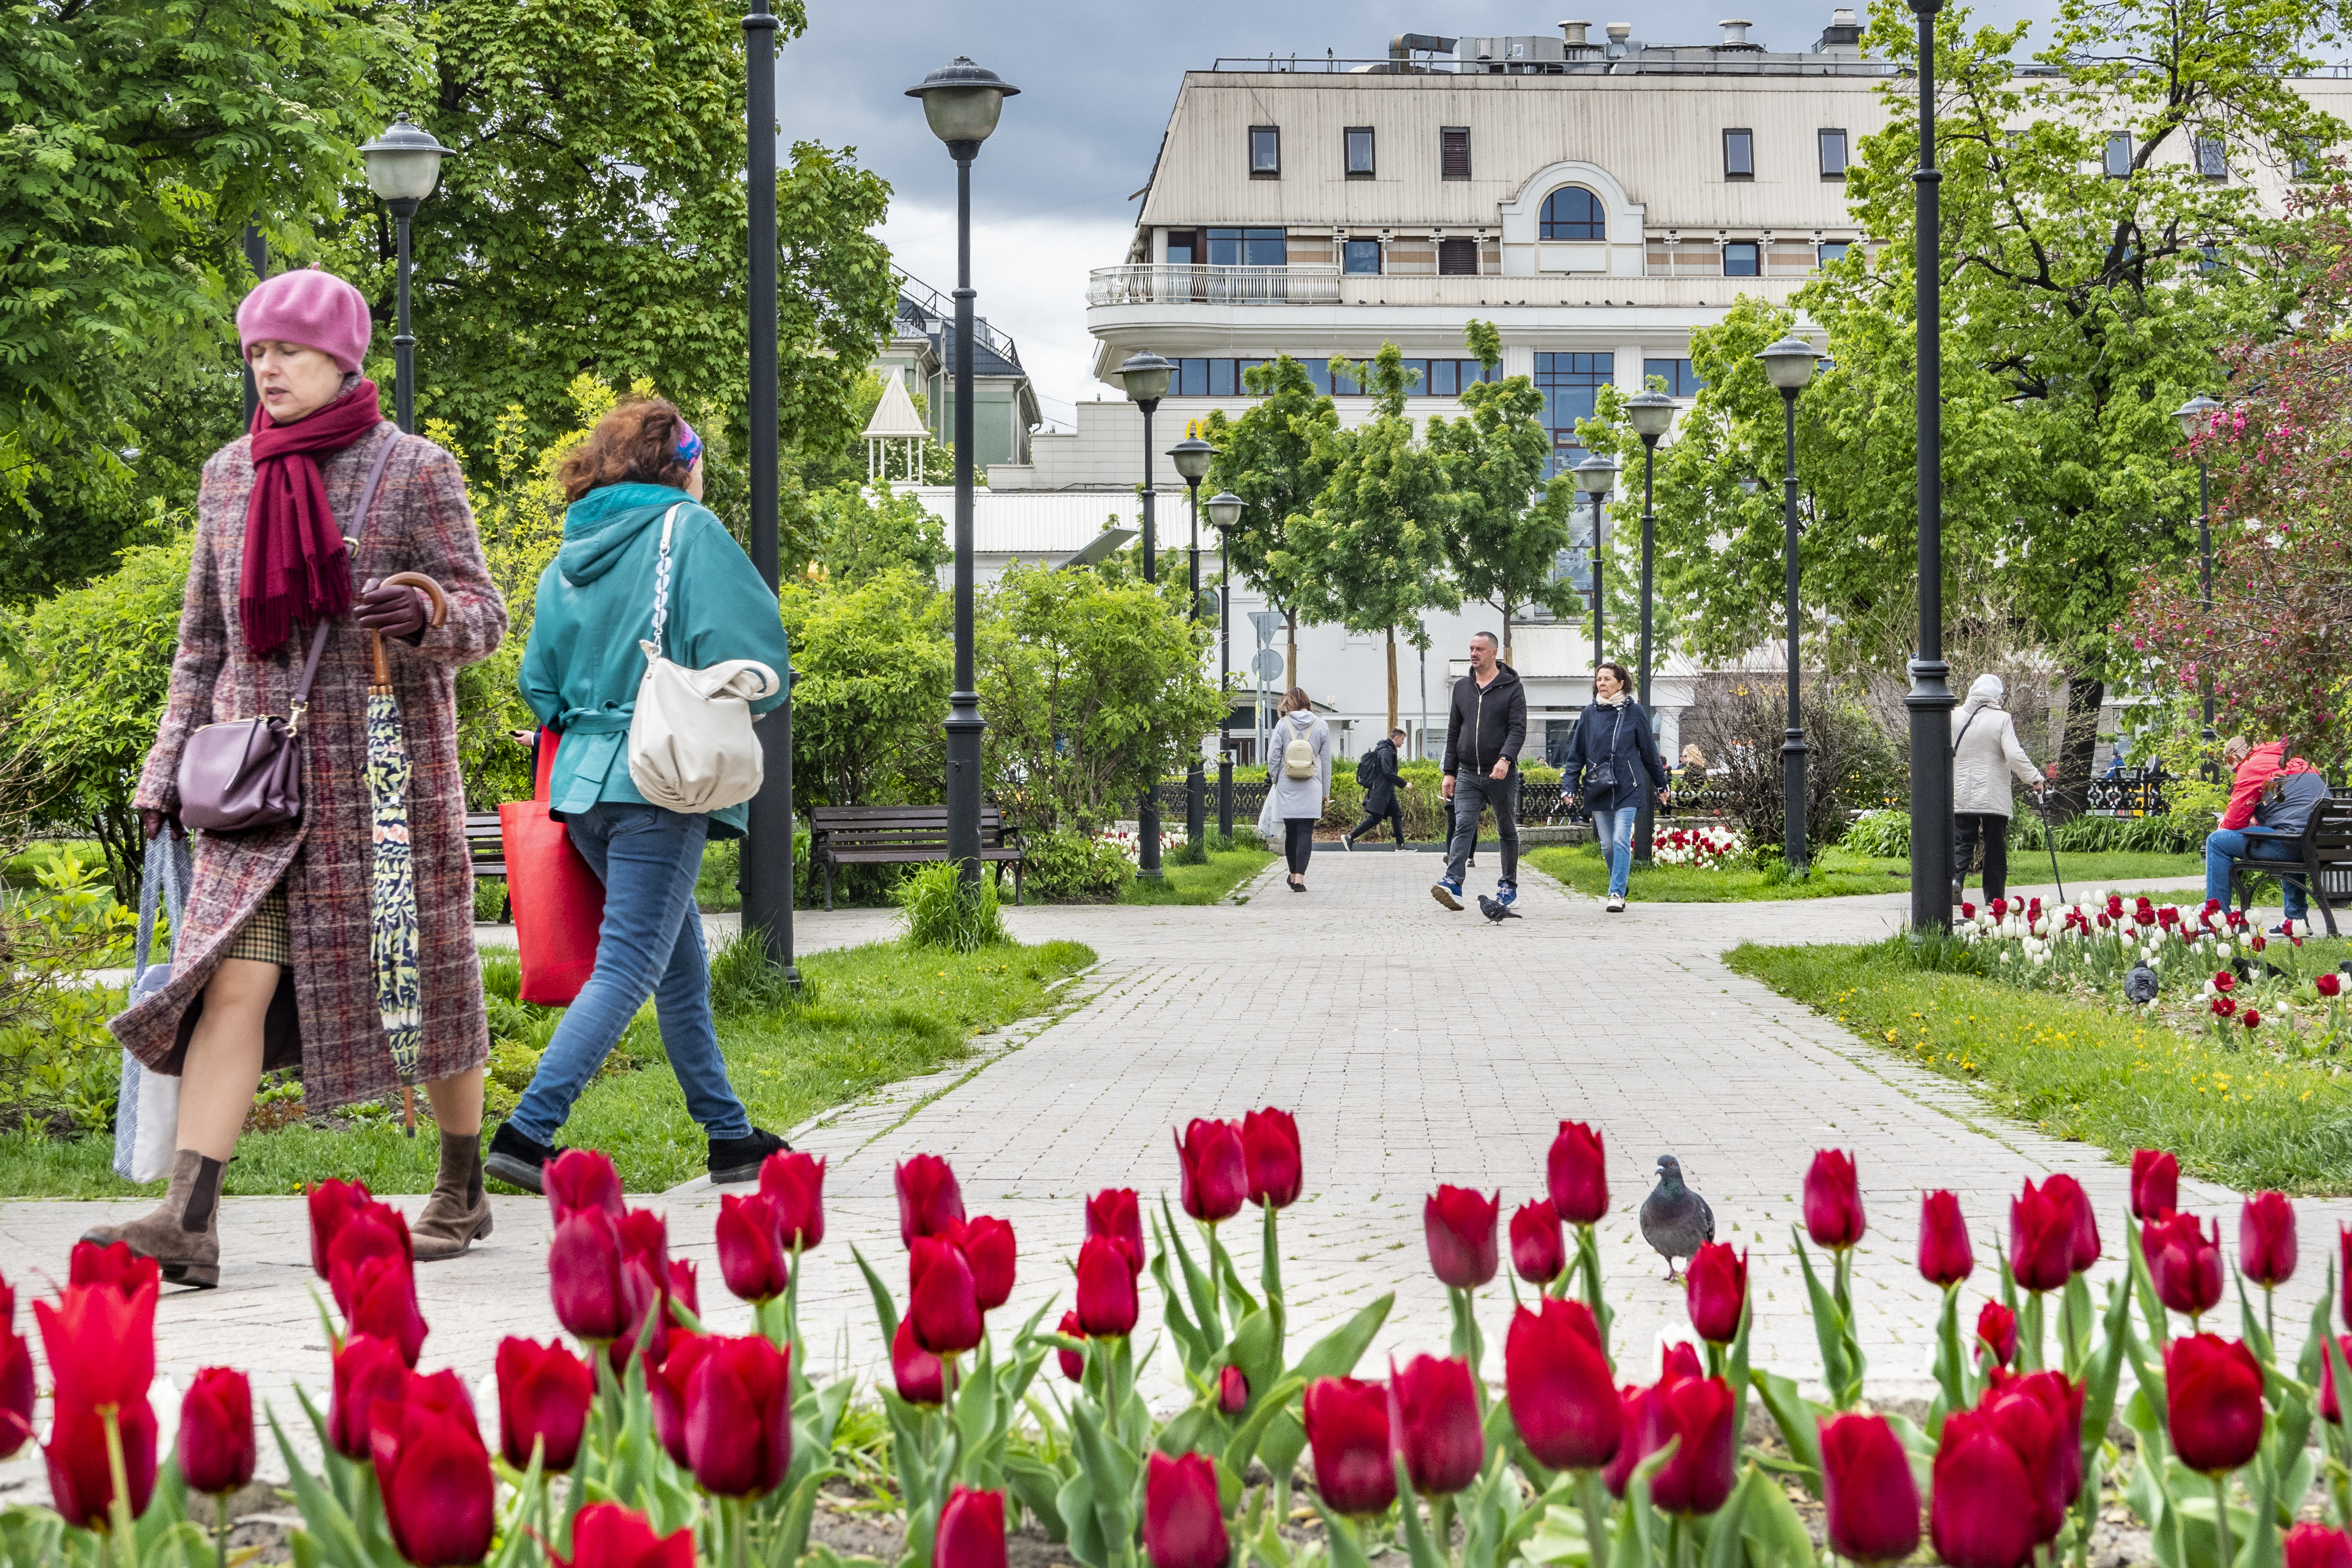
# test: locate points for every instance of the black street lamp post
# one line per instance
(1790, 363)
(1192, 457)
(1930, 699)
(1145, 375)
(1653, 415)
(961, 102)
(1593, 476)
(1224, 513)
(404, 164)
(2196, 417)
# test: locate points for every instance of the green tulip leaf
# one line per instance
(1198, 1286)
(1336, 1352)
(1800, 1422)
(1256, 1349)
(1038, 1487)
(1266, 1409)
(1345, 1551)
(2323, 1321)
(1829, 1326)
(1082, 1532)
(1418, 1549)
(886, 1311)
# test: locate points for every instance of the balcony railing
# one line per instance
(1193, 284)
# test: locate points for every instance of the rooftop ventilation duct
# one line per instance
(1845, 32)
(1572, 34)
(1735, 34)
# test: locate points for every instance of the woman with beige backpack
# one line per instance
(1298, 779)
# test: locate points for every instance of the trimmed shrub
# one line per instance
(1075, 867)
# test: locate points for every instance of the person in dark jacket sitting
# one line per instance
(1486, 725)
(2271, 797)
(1610, 757)
(1381, 780)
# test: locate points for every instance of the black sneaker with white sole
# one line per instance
(739, 1159)
(516, 1159)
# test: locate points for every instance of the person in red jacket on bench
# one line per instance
(2271, 797)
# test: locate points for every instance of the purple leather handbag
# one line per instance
(247, 772)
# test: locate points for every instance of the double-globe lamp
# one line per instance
(1594, 478)
(1651, 414)
(1192, 457)
(1790, 364)
(1145, 375)
(1225, 516)
(404, 164)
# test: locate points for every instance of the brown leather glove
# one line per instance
(395, 612)
(151, 822)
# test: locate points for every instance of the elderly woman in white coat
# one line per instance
(1985, 755)
(1298, 781)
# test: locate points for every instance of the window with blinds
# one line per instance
(1454, 151)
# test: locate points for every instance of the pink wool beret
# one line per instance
(311, 306)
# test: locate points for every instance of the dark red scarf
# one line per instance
(297, 567)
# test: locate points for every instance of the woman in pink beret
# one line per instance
(300, 521)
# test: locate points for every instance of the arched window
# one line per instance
(1574, 213)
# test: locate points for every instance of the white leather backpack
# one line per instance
(691, 745)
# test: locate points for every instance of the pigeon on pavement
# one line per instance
(1495, 912)
(1675, 1219)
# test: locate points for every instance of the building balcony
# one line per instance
(1194, 284)
(1113, 291)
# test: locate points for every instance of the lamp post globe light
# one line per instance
(1790, 364)
(1651, 414)
(1145, 376)
(2196, 418)
(404, 164)
(1593, 476)
(1930, 698)
(1224, 516)
(1192, 457)
(960, 103)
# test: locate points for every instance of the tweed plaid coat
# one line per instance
(325, 1014)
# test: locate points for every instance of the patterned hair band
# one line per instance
(689, 444)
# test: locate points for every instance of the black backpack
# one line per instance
(1367, 768)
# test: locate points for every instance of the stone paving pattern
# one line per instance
(1415, 1045)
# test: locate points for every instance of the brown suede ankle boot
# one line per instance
(183, 1234)
(459, 1212)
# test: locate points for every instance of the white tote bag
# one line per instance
(691, 746)
(147, 1106)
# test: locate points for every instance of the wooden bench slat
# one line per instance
(904, 836)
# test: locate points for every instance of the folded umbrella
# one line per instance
(391, 884)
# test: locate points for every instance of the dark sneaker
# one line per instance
(516, 1159)
(1347, 841)
(1447, 892)
(739, 1159)
(1507, 894)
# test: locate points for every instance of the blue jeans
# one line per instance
(651, 941)
(2222, 843)
(1612, 825)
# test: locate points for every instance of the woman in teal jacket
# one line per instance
(580, 673)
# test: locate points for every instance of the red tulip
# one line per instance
(434, 1473)
(366, 1370)
(372, 1232)
(2155, 1183)
(1944, 1256)
(1460, 1227)
(751, 1255)
(1997, 1333)
(2266, 1240)
(1576, 1172)
(81, 1479)
(2041, 1238)
(683, 1287)
(544, 1392)
(1698, 1411)
(1183, 1517)
(331, 1201)
(378, 1296)
(1433, 1423)
(2328, 984)
(1217, 1172)
(1348, 1428)
(115, 1265)
(942, 1301)
(647, 1281)
(793, 1185)
(2184, 1263)
(581, 1179)
(216, 1449)
(2344, 1248)
(1074, 1365)
(2042, 1415)
(2315, 1545)
(1833, 1200)
(929, 1199)
(989, 1248)
(922, 1377)
(666, 1382)
(1113, 1211)
(583, 1276)
(2213, 1399)
(970, 1532)
(2327, 1406)
(1559, 1387)
(101, 1345)
(1716, 1284)
(16, 1388)
(1973, 1516)
(1634, 1415)
(607, 1535)
(1537, 1252)
(1869, 1498)
(2067, 1192)
(1106, 1301)
(739, 1419)
(1271, 1157)
(1232, 1390)
(1679, 1359)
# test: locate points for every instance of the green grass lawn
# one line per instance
(1204, 884)
(1839, 872)
(878, 1013)
(2247, 1118)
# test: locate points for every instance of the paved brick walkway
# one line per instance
(1416, 1047)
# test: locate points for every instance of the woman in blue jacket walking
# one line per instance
(1611, 758)
(579, 674)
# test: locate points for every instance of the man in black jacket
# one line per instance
(1381, 779)
(1484, 727)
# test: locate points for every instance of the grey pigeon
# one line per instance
(1675, 1219)
(1495, 912)
(2139, 985)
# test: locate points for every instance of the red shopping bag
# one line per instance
(559, 904)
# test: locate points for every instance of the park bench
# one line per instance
(2324, 858)
(485, 847)
(904, 836)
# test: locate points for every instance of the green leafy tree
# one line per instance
(863, 530)
(1275, 457)
(874, 665)
(1371, 554)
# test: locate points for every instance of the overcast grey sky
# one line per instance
(1098, 80)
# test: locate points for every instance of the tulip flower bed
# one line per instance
(1706, 847)
(660, 1445)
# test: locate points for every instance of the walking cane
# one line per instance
(2041, 811)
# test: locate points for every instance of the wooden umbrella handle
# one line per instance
(436, 616)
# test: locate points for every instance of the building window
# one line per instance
(1740, 154)
(1364, 256)
(1741, 259)
(1183, 247)
(1832, 149)
(1569, 382)
(2212, 159)
(1454, 151)
(1680, 380)
(2119, 155)
(1265, 152)
(1574, 213)
(1359, 151)
(1832, 249)
(1247, 248)
(2208, 260)
(1457, 258)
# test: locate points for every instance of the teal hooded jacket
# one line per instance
(580, 670)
